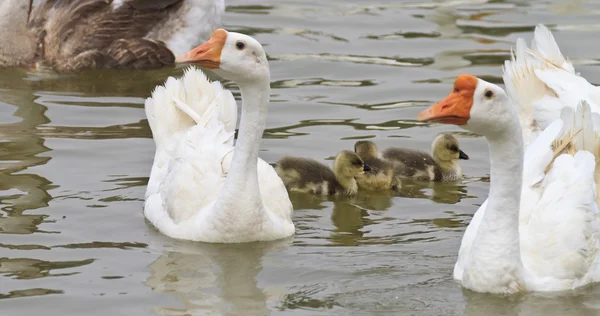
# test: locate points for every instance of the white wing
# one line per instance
(541, 82)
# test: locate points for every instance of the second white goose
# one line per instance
(538, 230)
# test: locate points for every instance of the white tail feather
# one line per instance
(545, 45)
(187, 110)
(524, 87)
(580, 126)
(182, 103)
(588, 139)
(537, 103)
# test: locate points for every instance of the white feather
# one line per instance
(541, 82)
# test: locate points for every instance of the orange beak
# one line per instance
(456, 107)
(207, 55)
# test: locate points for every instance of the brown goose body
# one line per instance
(71, 35)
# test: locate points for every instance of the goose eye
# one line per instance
(488, 94)
(240, 45)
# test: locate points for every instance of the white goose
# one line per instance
(196, 190)
(541, 234)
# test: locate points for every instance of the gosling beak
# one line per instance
(207, 55)
(462, 155)
(366, 167)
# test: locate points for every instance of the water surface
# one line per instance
(76, 151)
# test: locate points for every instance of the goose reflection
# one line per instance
(215, 279)
(24, 101)
(19, 150)
(351, 216)
(446, 193)
(583, 302)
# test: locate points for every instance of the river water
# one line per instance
(76, 152)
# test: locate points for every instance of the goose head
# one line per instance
(445, 147)
(231, 55)
(476, 105)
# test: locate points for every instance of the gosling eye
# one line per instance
(456, 90)
(453, 148)
(357, 163)
(240, 45)
(489, 94)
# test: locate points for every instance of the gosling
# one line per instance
(310, 176)
(441, 166)
(382, 175)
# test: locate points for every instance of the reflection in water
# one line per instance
(99, 82)
(386, 61)
(446, 193)
(473, 25)
(349, 221)
(23, 134)
(19, 151)
(24, 268)
(214, 279)
(24, 140)
(27, 269)
(352, 216)
(341, 70)
(568, 7)
(29, 292)
(285, 131)
(583, 302)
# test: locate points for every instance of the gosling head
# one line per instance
(365, 149)
(348, 164)
(445, 147)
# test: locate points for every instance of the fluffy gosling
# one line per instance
(310, 176)
(442, 165)
(382, 175)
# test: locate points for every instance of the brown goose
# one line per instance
(71, 35)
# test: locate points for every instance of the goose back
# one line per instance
(79, 34)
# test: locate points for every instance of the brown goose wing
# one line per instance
(80, 34)
(150, 4)
(139, 53)
(133, 54)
